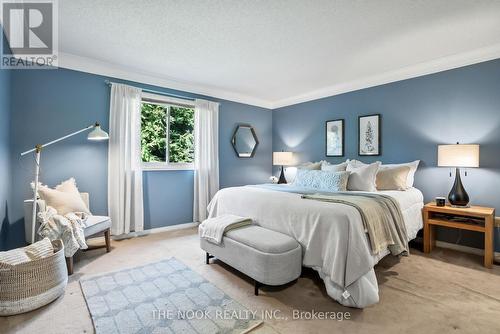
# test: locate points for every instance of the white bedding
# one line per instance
(332, 236)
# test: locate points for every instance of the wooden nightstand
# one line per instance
(481, 220)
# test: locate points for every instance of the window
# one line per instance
(167, 133)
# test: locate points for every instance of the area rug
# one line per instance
(162, 297)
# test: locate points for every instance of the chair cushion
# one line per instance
(264, 240)
(96, 224)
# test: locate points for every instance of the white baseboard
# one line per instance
(442, 244)
(461, 248)
(155, 230)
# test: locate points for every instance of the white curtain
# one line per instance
(125, 200)
(206, 156)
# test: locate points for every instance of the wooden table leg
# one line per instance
(429, 238)
(488, 242)
(69, 265)
(426, 238)
(432, 237)
(428, 233)
(107, 240)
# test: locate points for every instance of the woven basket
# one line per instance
(30, 285)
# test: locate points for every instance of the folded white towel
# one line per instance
(213, 229)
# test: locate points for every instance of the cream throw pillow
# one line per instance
(392, 178)
(363, 178)
(65, 198)
(411, 175)
(38, 250)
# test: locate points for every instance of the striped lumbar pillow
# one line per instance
(38, 250)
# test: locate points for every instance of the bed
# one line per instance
(332, 235)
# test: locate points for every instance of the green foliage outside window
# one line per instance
(181, 145)
(154, 133)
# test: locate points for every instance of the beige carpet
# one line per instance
(441, 293)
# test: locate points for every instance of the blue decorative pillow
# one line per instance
(321, 180)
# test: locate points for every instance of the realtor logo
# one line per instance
(31, 31)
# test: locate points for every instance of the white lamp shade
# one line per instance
(458, 155)
(282, 158)
(98, 134)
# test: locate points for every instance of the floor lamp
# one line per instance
(96, 134)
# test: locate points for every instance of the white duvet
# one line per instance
(333, 240)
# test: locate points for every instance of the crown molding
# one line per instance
(413, 71)
(98, 67)
(88, 65)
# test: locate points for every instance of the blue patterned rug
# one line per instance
(162, 297)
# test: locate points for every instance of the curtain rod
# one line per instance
(107, 82)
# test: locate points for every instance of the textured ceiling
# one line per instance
(273, 51)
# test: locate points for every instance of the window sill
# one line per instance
(164, 167)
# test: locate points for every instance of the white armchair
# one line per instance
(95, 226)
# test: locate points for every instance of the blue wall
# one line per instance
(4, 148)
(47, 104)
(417, 114)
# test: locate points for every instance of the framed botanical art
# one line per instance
(334, 138)
(369, 134)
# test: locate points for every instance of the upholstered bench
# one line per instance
(269, 257)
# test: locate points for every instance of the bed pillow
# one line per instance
(322, 180)
(65, 198)
(392, 178)
(310, 166)
(353, 163)
(334, 168)
(411, 175)
(363, 178)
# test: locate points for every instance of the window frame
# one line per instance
(166, 101)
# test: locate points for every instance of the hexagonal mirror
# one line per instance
(244, 141)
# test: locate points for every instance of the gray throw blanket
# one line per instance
(213, 229)
(381, 215)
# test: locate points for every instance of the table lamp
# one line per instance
(457, 156)
(282, 159)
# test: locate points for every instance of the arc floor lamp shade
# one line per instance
(282, 159)
(458, 156)
(97, 134)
